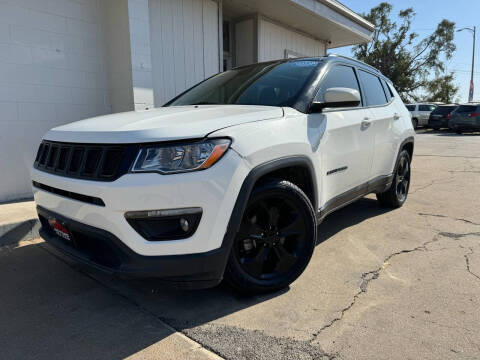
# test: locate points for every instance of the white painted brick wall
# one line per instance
(52, 71)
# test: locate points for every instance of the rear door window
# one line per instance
(373, 88)
(338, 76)
(411, 107)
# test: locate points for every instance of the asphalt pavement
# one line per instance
(382, 284)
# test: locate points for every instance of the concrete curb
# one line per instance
(16, 232)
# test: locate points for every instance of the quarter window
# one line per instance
(388, 90)
(373, 89)
(338, 76)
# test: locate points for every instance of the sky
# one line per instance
(429, 13)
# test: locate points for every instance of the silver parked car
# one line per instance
(420, 113)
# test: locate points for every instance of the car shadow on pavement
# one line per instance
(48, 310)
(186, 310)
(23, 230)
(452, 134)
(445, 132)
(52, 307)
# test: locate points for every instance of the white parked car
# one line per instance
(229, 179)
(420, 113)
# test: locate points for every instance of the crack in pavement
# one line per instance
(448, 217)
(467, 262)
(366, 278)
(433, 182)
(464, 171)
(369, 276)
(457, 235)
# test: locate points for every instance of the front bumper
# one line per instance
(214, 190)
(103, 251)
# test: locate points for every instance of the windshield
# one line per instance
(271, 84)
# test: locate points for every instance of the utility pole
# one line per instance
(474, 32)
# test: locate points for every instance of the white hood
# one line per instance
(161, 124)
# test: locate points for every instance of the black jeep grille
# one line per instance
(100, 162)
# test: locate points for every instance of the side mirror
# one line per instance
(337, 98)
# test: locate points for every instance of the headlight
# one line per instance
(167, 159)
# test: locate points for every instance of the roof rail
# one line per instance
(355, 60)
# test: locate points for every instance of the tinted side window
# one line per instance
(338, 76)
(411, 107)
(387, 89)
(373, 89)
(426, 107)
(466, 109)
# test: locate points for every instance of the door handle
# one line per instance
(396, 116)
(366, 123)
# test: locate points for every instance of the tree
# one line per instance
(442, 89)
(400, 55)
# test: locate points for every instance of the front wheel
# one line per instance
(397, 194)
(275, 241)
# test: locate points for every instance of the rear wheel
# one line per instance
(275, 241)
(397, 194)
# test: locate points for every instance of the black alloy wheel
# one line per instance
(402, 179)
(275, 241)
(396, 195)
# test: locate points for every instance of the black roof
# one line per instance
(325, 59)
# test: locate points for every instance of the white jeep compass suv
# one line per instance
(229, 179)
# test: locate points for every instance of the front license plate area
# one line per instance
(60, 229)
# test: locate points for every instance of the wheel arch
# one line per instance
(273, 169)
(407, 144)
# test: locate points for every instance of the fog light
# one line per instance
(172, 224)
(184, 224)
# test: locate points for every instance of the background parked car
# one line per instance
(465, 118)
(420, 113)
(441, 115)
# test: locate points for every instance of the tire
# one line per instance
(415, 123)
(275, 241)
(459, 132)
(397, 194)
